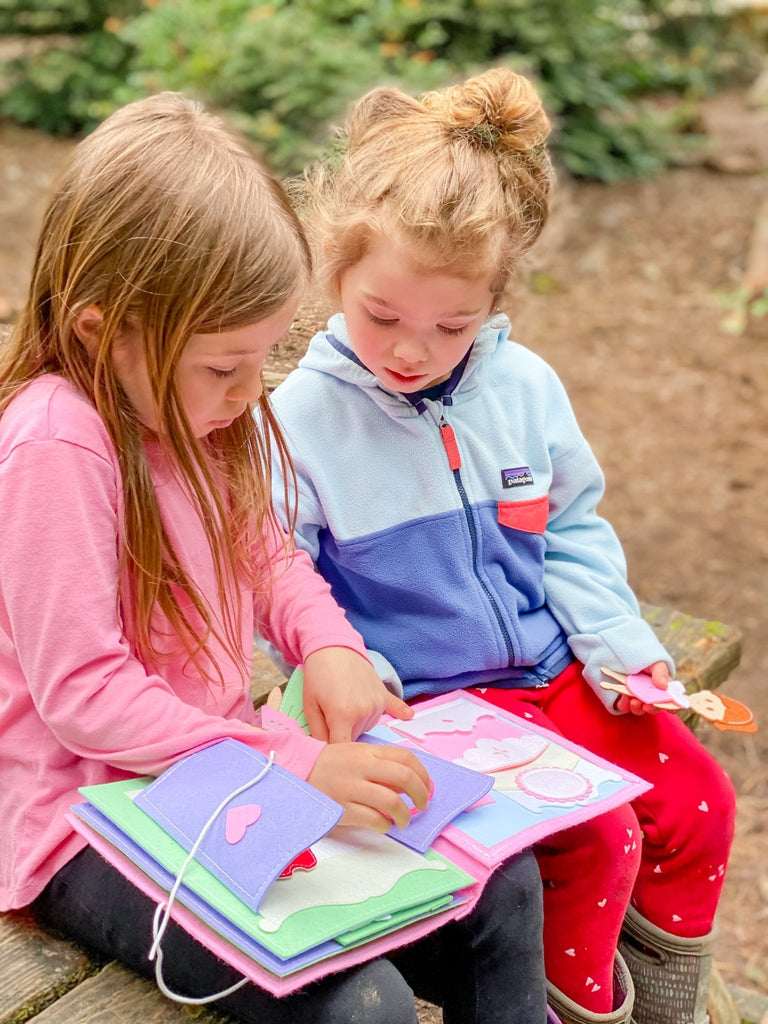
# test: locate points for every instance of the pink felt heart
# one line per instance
(238, 820)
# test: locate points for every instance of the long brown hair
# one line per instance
(462, 173)
(165, 221)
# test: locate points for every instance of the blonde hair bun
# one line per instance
(462, 174)
(496, 107)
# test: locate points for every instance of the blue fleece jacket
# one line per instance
(460, 534)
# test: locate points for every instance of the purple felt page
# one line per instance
(257, 833)
(221, 924)
(455, 789)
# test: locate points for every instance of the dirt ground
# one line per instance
(623, 297)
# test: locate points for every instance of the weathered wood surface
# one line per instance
(705, 652)
(35, 968)
(52, 981)
(118, 996)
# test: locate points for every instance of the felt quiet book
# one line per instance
(258, 871)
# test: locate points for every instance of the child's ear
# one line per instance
(87, 327)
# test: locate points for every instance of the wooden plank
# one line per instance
(264, 676)
(35, 968)
(117, 994)
(751, 1005)
(705, 652)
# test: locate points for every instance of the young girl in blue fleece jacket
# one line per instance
(446, 493)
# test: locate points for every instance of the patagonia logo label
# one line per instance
(520, 476)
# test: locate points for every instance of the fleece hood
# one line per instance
(331, 352)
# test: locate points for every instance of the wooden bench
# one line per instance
(52, 981)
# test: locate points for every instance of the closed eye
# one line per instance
(381, 321)
(222, 373)
(451, 330)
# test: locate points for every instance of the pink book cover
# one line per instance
(542, 782)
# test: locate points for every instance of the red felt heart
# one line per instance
(305, 861)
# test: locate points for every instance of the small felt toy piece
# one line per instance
(723, 712)
(274, 718)
(641, 685)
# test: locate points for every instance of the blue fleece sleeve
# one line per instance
(585, 576)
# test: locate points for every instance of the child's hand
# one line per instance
(366, 779)
(343, 695)
(659, 673)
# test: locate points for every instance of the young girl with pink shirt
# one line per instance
(140, 551)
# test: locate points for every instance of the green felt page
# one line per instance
(292, 702)
(359, 878)
(390, 923)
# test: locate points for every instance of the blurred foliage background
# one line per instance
(621, 78)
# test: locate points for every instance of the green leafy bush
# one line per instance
(287, 69)
(72, 64)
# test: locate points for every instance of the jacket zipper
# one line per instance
(451, 447)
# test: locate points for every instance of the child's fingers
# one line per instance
(628, 705)
(397, 707)
(361, 816)
(367, 775)
(318, 727)
(411, 763)
(346, 725)
(385, 802)
(348, 722)
(339, 732)
(387, 776)
(659, 673)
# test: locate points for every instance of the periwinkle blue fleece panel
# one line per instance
(430, 602)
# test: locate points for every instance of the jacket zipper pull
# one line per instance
(450, 445)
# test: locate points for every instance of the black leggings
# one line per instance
(486, 969)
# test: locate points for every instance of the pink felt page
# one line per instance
(464, 728)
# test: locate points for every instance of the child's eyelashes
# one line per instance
(221, 373)
(381, 321)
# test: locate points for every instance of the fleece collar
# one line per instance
(331, 352)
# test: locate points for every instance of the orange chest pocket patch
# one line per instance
(527, 516)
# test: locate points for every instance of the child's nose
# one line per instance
(247, 388)
(410, 350)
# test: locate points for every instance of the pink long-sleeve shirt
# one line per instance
(77, 706)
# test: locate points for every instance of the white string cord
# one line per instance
(163, 910)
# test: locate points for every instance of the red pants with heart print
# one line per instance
(666, 852)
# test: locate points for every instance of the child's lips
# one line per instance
(406, 378)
